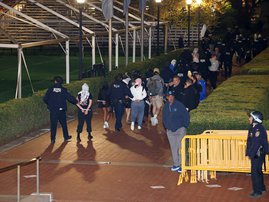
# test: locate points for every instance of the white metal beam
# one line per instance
(134, 44)
(85, 14)
(129, 14)
(117, 50)
(115, 17)
(18, 88)
(60, 16)
(67, 63)
(3, 45)
(45, 27)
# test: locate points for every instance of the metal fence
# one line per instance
(218, 150)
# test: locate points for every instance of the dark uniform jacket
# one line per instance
(118, 91)
(257, 139)
(56, 97)
(175, 116)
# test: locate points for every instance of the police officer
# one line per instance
(55, 98)
(228, 62)
(118, 92)
(257, 148)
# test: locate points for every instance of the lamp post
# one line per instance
(158, 26)
(81, 3)
(189, 2)
(199, 2)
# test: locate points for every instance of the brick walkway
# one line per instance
(121, 166)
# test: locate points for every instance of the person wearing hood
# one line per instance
(55, 99)
(169, 72)
(84, 99)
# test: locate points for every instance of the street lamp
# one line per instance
(158, 26)
(199, 2)
(189, 2)
(81, 3)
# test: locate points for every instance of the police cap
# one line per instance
(58, 79)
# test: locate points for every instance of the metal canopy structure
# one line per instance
(32, 23)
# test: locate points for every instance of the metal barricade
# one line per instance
(18, 167)
(217, 150)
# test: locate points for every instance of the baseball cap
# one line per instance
(156, 70)
(170, 92)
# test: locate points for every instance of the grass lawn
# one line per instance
(42, 69)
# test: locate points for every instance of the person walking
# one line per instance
(213, 71)
(104, 103)
(84, 98)
(55, 99)
(118, 92)
(138, 103)
(155, 85)
(176, 120)
(257, 148)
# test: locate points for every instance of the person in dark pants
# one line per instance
(118, 92)
(84, 112)
(55, 99)
(257, 148)
(176, 120)
(228, 62)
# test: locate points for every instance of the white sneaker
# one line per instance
(132, 126)
(156, 121)
(105, 125)
(152, 119)
(139, 128)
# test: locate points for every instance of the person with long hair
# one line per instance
(104, 103)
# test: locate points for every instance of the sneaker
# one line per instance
(117, 129)
(90, 136)
(139, 127)
(132, 126)
(68, 138)
(179, 170)
(255, 195)
(155, 121)
(175, 168)
(152, 119)
(106, 125)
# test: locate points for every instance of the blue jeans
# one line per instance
(137, 111)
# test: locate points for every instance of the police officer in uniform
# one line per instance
(257, 148)
(55, 98)
(118, 92)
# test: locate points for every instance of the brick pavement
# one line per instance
(113, 167)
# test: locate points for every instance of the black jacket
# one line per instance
(56, 97)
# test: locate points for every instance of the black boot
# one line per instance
(90, 136)
(78, 137)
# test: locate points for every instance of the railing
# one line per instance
(18, 167)
(212, 151)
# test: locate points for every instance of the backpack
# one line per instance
(153, 87)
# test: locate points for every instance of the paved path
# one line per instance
(125, 166)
